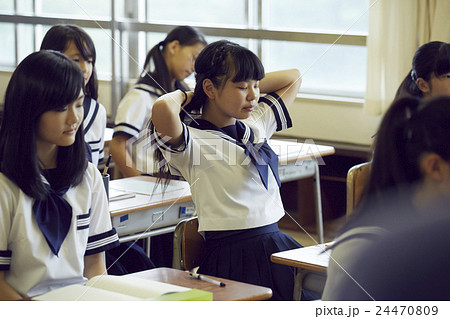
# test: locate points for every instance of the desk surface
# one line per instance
(177, 192)
(233, 290)
(311, 258)
(290, 151)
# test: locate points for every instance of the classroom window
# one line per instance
(283, 33)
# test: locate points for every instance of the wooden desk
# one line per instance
(310, 264)
(150, 212)
(233, 290)
(302, 160)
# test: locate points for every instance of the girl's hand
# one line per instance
(285, 83)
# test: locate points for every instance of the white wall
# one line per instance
(316, 119)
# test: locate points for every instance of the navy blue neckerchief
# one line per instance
(260, 154)
(53, 215)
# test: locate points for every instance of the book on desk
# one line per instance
(124, 288)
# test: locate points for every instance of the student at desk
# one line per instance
(430, 72)
(166, 66)
(410, 170)
(79, 47)
(54, 218)
(237, 197)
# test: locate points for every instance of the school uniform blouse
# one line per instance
(94, 125)
(226, 186)
(29, 265)
(133, 113)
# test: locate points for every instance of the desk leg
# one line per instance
(317, 195)
(298, 283)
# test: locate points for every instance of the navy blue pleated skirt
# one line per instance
(244, 255)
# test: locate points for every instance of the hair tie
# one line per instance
(161, 45)
(413, 75)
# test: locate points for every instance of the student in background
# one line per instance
(410, 171)
(430, 73)
(237, 197)
(166, 66)
(78, 46)
(54, 223)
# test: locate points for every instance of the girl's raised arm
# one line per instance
(166, 116)
(285, 83)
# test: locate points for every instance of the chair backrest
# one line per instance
(188, 245)
(356, 180)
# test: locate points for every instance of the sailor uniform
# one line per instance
(133, 113)
(94, 125)
(31, 265)
(234, 181)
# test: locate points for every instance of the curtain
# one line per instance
(396, 29)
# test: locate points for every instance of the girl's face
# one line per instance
(58, 127)
(236, 100)
(437, 86)
(85, 65)
(180, 59)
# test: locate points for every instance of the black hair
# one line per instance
(43, 81)
(219, 62)
(410, 128)
(159, 77)
(432, 58)
(58, 37)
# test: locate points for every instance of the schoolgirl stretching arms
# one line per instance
(232, 170)
(54, 219)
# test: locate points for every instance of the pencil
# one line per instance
(105, 170)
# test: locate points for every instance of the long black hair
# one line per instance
(410, 128)
(155, 71)
(430, 58)
(58, 38)
(43, 81)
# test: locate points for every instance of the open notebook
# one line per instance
(110, 288)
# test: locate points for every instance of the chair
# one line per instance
(188, 245)
(356, 180)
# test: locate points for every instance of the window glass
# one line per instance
(79, 8)
(318, 15)
(326, 69)
(25, 32)
(7, 6)
(230, 12)
(25, 6)
(8, 56)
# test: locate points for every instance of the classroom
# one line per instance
(347, 58)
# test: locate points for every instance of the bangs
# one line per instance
(86, 47)
(60, 85)
(247, 65)
(442, 65)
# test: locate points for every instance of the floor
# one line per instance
(307, 235)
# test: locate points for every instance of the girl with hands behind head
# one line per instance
(225, 157)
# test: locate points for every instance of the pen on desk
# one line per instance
(207, 279)
(106, 165)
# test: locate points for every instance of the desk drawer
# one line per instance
(296, 170)
(154, 218)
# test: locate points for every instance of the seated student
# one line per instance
(54, 224)
(236, 195)
(79, 47)
(430, 73)
(409, 263)
(166, 66)
(410, 167)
